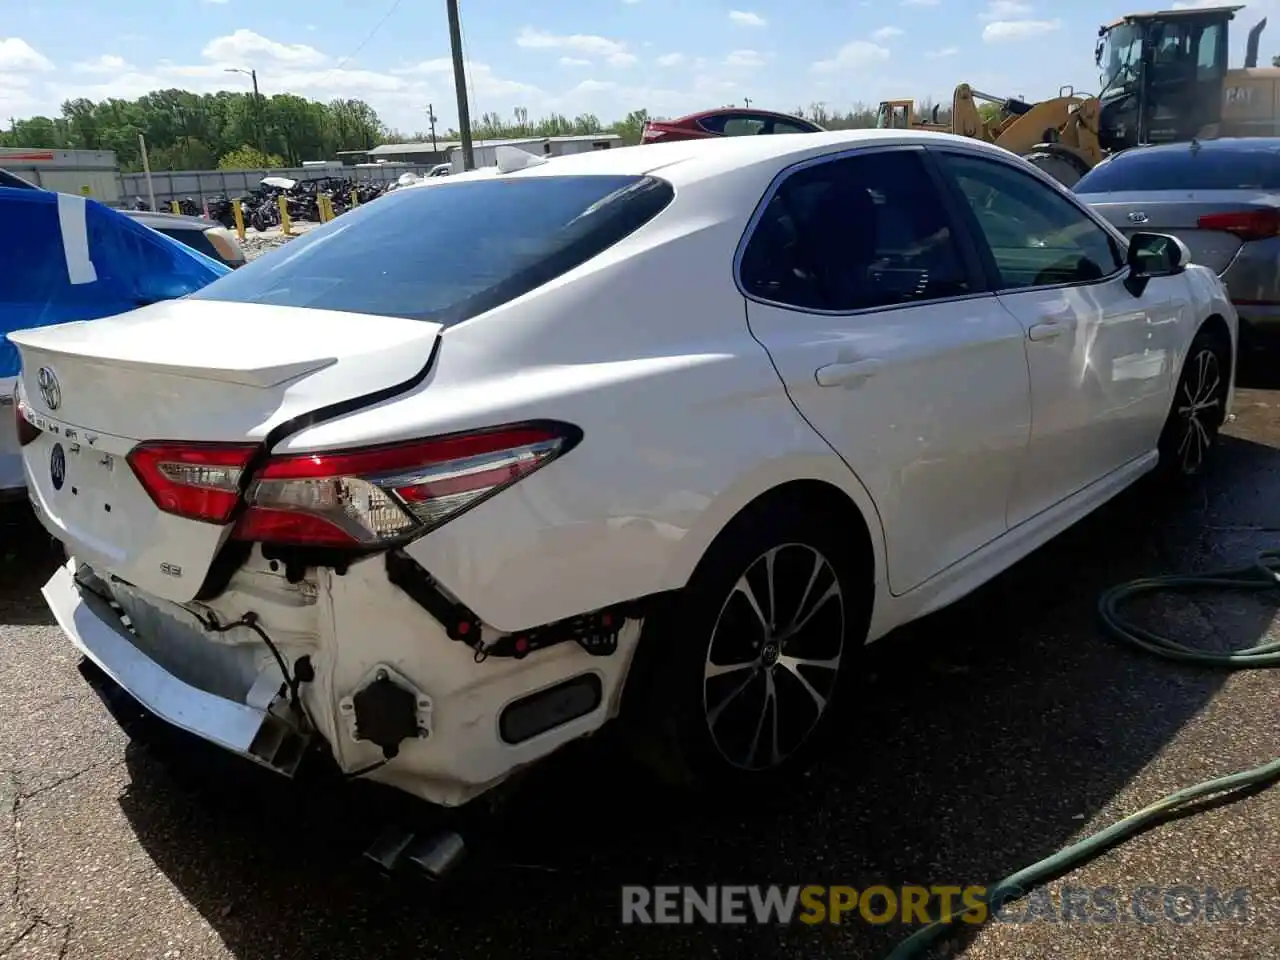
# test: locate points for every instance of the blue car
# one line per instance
(65, 258)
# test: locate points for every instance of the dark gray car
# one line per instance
(1219, 197)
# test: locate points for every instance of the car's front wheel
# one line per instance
(1199, 406)
(758, 652)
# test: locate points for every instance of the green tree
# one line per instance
(250, 158)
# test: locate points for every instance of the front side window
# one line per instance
(1036, 236)
(855, 233)
(451, 251)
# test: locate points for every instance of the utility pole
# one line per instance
(257, 105)
(431, 119)
(460, 85)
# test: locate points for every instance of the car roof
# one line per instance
(738, 111)
(1218, 145)
(168, 221)
(689, 161)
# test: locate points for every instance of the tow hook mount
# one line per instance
(386, 709)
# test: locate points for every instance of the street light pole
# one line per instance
(257, 105)
(431, 119)
(460, 86)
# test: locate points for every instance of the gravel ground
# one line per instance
(993, 733)
(257, 243)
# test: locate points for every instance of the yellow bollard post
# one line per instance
(285, 223)
(237, 211)
(355, 200)
(173, 205)
(326, 209)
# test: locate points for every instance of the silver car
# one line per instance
(1219, 197)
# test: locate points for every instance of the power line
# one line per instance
(376, 27)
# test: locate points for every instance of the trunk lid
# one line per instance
(1177, 213)
(191, 371)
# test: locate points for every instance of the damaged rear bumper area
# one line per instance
(347, 664)
(95, 626)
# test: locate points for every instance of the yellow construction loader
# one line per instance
(1059, 135)
(1164, 78)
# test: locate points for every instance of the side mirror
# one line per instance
(1154, 255)
(1157, 255)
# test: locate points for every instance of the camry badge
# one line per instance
(1138, 217)
(50, 389)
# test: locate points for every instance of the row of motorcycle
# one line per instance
(260, 207)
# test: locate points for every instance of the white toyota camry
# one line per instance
(670, 431)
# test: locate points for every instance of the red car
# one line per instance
(725, 122)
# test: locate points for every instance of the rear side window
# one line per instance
(855, 233)
(1185, 169)
(452, 250)
(195, 239)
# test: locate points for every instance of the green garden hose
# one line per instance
(1262, 574)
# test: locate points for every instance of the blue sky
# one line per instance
(605, 57)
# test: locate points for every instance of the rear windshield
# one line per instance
(1205, 169)
(451, 250)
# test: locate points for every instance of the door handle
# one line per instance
(1046, 331)
(848, 373)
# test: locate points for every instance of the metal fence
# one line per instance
(200, 185)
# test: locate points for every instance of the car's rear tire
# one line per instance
(758, 652)
(1198, 410)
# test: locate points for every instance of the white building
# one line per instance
(486, 156)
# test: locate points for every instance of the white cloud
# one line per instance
(1005, 10)
(944, 52)
(107, 63)
(744, 18)
(574, 62)
(483, 80)
(884, 33)
(671, 59)
(1002, 30)
(247, 45)
(17, 55)
(744, 58)
(613, 51)
(853, 56)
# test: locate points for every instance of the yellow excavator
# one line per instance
(1164, 78)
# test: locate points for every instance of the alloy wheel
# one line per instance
(1199, 409)
(774, 657)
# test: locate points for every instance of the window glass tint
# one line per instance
(742, 126)
(1037, 237)
(195, 239)
(1185, 169)
(782, 126)
(864, 231)
(713, 124)
(452, 250)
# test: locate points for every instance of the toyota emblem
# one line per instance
(1137, 217)
(50, 389)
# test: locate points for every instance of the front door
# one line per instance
(875, 315)
(1100, 356)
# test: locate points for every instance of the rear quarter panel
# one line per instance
(684, 418)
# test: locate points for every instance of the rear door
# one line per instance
(874, 312)
(1100, 356)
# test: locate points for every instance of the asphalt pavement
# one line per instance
(992, 734)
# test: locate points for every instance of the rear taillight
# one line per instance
(650, 133)
(381, 495)
(199, 481)
(1245, 224)
(27, 431)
